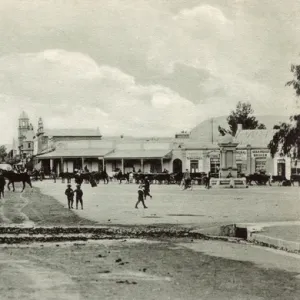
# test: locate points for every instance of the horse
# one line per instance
(278, 178)
(162, 177)
(295, 178)
(101, 176)
(259, 179)
(17, 177)
(177, 177)
(2, 185)
(66, 175)
(120, 177)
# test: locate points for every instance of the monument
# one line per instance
(228, 169)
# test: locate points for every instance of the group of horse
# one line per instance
(159, 178)
(264, 179)
(200, 178)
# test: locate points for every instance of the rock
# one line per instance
(118, 260)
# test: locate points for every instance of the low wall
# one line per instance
(228, 183)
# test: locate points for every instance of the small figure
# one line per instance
(70, 196)
(187, 179)
(147, 188)
(208, 180)
(79, 194)
(229, 175)
(140, 196)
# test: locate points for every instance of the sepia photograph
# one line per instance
(149, 150)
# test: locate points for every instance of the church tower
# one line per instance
(23, 128)
(40, 127)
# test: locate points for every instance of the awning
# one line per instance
(75, 153)
(139, 154)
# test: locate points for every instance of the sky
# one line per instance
(146, 67)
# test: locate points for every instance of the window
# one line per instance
(241, 168)
(194, 166)
(295, 170)
(29, 145)
(214, 165)
(260, 164)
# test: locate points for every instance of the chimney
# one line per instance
(239, 127)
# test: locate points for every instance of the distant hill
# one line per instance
(203, 130)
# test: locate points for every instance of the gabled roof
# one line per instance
(23, 115)
(72, 132)
(256, 137)
(138, 154)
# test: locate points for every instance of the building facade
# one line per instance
(64, 150)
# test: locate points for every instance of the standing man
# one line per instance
(70, 196)
(186, 178)
(140, 196)
(79, 194)
(208, 180)
(147, 188)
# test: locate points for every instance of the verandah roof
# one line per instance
(74, 153)
(139, 154)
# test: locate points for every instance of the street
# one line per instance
(151, 269)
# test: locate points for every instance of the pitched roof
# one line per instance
(139, 154)
(94, 152)
(199, 145)
(23, 115)
(72, 132)
(256, 137)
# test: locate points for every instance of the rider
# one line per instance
(186, 178)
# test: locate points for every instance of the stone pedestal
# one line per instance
(228, 166)
(228, 157)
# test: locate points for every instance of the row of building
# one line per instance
(68, 149)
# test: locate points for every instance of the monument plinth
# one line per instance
(228, 165)
(228, 168)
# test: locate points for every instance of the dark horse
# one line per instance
(102, 175)
(17, 177)
(2, 185)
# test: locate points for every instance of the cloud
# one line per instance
(203, 12)
(70, 90)
(145, 59)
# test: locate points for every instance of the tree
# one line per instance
(3, 153)
(286, 140)
(243, 114)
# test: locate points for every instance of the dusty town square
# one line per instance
(150, 266)
(149, 150)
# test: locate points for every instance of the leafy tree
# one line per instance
(243, 114)
(3, 153)
(286, 141)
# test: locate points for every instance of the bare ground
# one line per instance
(135, 270)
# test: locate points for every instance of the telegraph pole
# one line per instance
(212, 130)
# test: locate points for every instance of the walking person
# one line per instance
(187, 179)
(208, 180)
(70, 196)
(147, 188)
(140, 197)
(79, 195)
